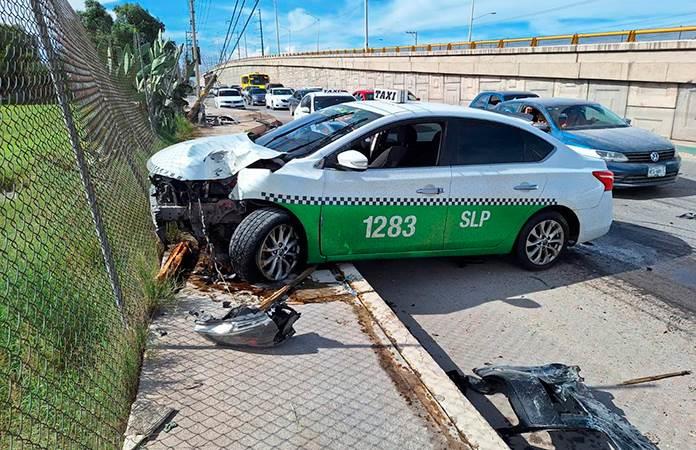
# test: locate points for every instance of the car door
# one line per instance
(497, 182)
(385, 211)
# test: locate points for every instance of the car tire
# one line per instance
(253, 242)
(542, 241)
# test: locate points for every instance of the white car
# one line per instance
(278, 98)
(316, 101)
(229, 98)
(375, 180)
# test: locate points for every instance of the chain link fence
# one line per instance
(75, 233)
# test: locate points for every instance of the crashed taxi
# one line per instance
(386, 178)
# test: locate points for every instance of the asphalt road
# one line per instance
(621, 307)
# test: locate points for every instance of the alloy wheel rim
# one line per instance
(545, 242)
(279, 252)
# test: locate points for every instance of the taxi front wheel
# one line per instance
(266, 245)
(542, 240)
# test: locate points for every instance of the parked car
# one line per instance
(362, 181)
(316, 101)
(255, 96)
(229, 98)
(489, 99)
(270, 86)
(297, 97)
(278, 98)
(637, 157)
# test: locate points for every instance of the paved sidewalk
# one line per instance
(336, 384)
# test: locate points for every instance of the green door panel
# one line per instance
(363, 229)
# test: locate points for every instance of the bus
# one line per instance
(255, 79)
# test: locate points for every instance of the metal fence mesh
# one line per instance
(74, 230)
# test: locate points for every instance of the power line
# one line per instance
(234, 28)
(245, 26)
(229, 28)
(537, 13)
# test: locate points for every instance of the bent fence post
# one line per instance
(60, 87)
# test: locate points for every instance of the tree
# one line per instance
(24, 78)
(95, 18)
(131, 16)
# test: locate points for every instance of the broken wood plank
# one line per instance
(278, 294)
(176, 261)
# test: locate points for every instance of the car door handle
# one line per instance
(430, 190)
(526, 187)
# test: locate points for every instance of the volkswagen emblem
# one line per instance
(654, 157)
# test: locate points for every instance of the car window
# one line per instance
(310, 133)
(480, 101)
(228, 93)
(257, 91)
(281, 91)
(585, 117)
(473, 141)
(305, 101)
(403, 145)
(494, 100)
(324, 101)
(507, 108)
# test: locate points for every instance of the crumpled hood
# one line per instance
(624, 139)
(209, 158)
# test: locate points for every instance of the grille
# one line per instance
(665, 155)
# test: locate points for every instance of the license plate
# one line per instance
(657, 171)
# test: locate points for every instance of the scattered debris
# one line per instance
(226, 304)
(655, 377)
(170, 426)
(146, 417)
(161, 331)
(687, 215)
(554, 397)
(268, 324)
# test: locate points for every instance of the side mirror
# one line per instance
(352, 160)
(304, 109)
(627, 120)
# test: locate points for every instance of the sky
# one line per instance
(308, 24)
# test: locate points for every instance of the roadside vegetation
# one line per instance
(68, 366)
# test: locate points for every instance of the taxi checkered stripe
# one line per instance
(400, 201)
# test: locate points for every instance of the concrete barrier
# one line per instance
(653, 83)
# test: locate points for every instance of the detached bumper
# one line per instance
(636, 174)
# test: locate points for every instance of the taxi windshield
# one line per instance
(281, 92)
(310, 133)
(585, 117)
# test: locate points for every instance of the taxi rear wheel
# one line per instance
(266, 245)
(542, 240)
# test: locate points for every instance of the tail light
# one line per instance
(606, 177)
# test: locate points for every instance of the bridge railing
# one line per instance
(640, 35)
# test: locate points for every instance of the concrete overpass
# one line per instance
(653, 83)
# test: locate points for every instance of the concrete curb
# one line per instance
(470, 424)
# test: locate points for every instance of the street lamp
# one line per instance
(472, 18)
(415, 36)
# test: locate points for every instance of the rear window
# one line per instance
(471, 141)
(324, 101)
(281, 92)
(519, 95)
(229, 93)
(257, 91)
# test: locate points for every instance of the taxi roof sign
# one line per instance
(391, 95)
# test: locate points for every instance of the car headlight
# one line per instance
(602, 154)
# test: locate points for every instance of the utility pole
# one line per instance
(471, 20)
(367, 41)
(246, 49)
(196, 55)
(261, 32)
(275, 5)
(239, 48)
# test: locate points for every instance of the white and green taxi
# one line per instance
(379, 179)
